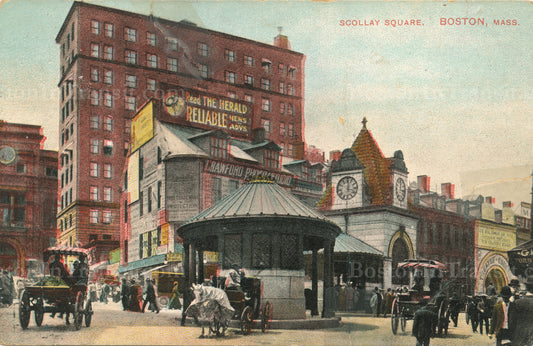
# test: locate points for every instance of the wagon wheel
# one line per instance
(394, 316)
(467, 317)
(266, 317)
(444, 315)
(88, 313)
(24, 310)
(246, 320)
(78, 310)
(39, 312)
(403, 322)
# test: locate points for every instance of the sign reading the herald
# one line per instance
(209, 111)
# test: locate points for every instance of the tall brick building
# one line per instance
(113, 61)
(28, 191)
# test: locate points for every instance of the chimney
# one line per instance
(282, 41)
(334, 155)
(423, 183)
(258, 135)
(507, 204)
(489, 200)
(448, 190)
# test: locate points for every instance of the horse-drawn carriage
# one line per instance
(218, 306)
(407, 302)
(58, 294)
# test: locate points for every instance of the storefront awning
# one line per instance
(521, 259)
(142, 263)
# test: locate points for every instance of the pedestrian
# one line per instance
(455, 308)
(424, 323)
(387, 304)
(471, 310)
(175, 299)
(500, 317)
(434, 283)
(125, 294)
(188, 297)
(375, 302)
(521, 317)
(515, 289)
(491, 290)
(104, 292)
(150, 296)
(484, 313)
(135, 297)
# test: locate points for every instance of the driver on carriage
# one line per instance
(58, 269)
(234, 278)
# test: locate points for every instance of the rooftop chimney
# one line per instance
(334, 155)
(423, 183)
(448, 190)
(489, 200)
(507, 204)
(282, 41)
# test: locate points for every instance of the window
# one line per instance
(267, 65)
(271, 159)
(141, 203)
(108, 52)
(129, 103)
(109, 30)
(282, 108)
(108, 123)
(95, 99)
(127, 126)
(248, 98)
(291, 130)
(282, 146)
(282, 87)
(106, 218)
(94, 216)
(219, 148)
(292, 72)
(233, 185)
(291, 109)
(150, 84)
(249, 80)
(149, 204)
(108, 76)
(289, 244)
(94, 193)
(95, 50)
(108, 171)
(130, 56)
(94, 169)
(95, 74)
(107, 194)
(290, 88)
(265, 123)
(95, 146)
(249, 61)
(281, 69)
(282, 129)
(95, 123)
(130, 34)
(172, 44)
(172, 64)
(265, 84)
(159, 186)
(229, 55)
(21, 168)
(203, 70)
(151, 60)
(232, 250)
(108, 147)
(95, 27)
(131, 81)
(150, 39)
(216, 190)
(289, 150)
(232, 95)
(261, 251)
(126, 148)
(265, 104)
(230, 77)
(203, 49)
(108, 100)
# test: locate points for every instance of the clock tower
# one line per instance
(399, 181)
(347, 182)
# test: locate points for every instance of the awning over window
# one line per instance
(265, 62)
(142, 263)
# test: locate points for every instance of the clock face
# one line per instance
(400, 189)
(347, 188)
(7, 155)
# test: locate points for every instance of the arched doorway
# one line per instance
(8, 257)
(400, 252)
(497, 276)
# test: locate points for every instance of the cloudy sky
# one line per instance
(454, 98)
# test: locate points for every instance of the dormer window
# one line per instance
(219, 148)
(271, 159)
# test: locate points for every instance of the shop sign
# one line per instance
(495, 238)
(174, 256)
(245, 173)
(142, 126)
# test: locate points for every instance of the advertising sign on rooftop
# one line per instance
(142, 126)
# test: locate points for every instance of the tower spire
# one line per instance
(364, 122)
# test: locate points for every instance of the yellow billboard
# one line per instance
(133, 177)
(142, 126)
(495, 237)
(164, 234)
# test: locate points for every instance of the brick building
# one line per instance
(28, 191)
(113, 61)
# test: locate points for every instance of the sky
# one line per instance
(456, 99)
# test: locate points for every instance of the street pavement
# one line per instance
(112, 326)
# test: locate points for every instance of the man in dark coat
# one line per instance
(424, 323)
(500, 317)
(125, 292)
(521, 317)
(150, 296)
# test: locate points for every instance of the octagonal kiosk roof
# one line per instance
(257, 204)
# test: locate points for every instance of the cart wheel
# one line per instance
(394, 316)
(88, 313)
(246, 320)
(24, 310)
(266, 317)
(163, 300)
(443, 321)
(403, 322)
(467, 317)
(78, 310)
(39, 312)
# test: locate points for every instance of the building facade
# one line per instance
(28, 191)
(113, 61)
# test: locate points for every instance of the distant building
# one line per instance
(113, 61)
(28, 196)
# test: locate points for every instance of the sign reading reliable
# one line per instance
(208, 110)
